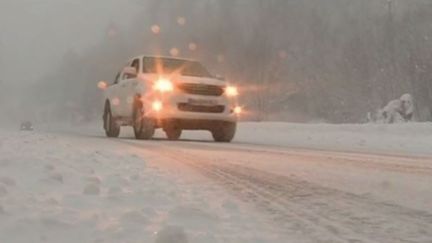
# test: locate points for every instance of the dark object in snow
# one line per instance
(26, 126)
(172, 234)
(91, 189)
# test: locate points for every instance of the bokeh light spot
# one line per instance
(181, 21)
(112, 33)
(155, 29)
(102, 85)
(283, 54)
(193, 46)
(174, 52)
(115, 101)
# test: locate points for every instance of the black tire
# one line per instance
(144, 128)
(224, 132)
(173, 133)
(112, 129)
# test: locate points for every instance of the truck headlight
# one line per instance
(163, 85)
(231, 91)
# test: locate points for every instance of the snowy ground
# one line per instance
(277, 183)
(55, 188)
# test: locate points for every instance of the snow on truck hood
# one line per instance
(200, 80)
(186, 79)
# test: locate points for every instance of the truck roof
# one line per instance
(164, 57)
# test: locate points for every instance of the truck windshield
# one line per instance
(170, 65)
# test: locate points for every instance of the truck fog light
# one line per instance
(157, 106)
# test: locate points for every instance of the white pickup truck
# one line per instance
(173, 94)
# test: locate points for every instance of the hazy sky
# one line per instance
(35, 34)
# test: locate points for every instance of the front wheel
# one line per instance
(112, 129)
(144, 128)
(224, 132)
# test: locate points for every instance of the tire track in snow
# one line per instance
(398, 164)
(312, 210)
(385, 162)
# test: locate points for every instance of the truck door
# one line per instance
(112, 94)
(127, 87)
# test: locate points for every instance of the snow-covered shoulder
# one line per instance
(408, 138)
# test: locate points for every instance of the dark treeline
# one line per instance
(332, 60)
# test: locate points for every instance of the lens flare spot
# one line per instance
(193, 46)
(283, 54)
(115, 101)
(102, 85)
(112, 32)
(157, 106)
(174, 52)
(155, 29)
(181, 21)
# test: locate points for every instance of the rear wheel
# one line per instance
(224, 132)
(112, 129)
(144, 128)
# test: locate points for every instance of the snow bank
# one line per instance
(410, 138)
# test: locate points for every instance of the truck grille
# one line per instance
(200, 108)
(201, 89)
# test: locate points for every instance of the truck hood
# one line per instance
(190, 80)
(199, 80)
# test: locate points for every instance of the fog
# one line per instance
(36, 33)
(333, 60)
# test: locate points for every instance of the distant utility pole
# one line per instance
(390, 5)
(1, 72)
(390, 42)
(390, 26)
(1, 63)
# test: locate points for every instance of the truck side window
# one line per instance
(135, 64)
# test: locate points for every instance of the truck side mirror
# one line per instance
(130, 72)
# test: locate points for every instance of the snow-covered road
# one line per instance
(78, 186)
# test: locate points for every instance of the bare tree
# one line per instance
(333, 60)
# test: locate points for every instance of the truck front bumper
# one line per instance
(191, 112)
